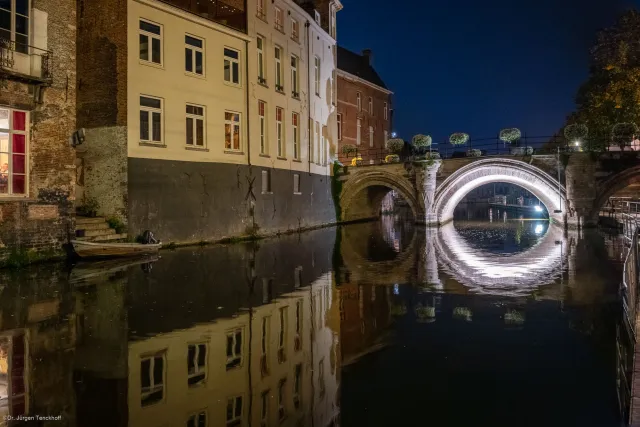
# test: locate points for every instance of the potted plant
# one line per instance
(623, 134)
(349, 149)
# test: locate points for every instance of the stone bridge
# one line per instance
(433, 189)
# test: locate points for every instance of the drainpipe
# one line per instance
(246, 67)
(310, 130)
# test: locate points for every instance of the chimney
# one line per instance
(368, 56)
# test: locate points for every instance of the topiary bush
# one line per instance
(395, 145)
(459, 138)
(421, 141)
(474, 153)
(510, 135)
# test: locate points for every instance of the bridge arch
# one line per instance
(362, 194)
(611, 186)
(452, 190)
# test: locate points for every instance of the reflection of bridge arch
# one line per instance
(452, 190)
(515, 275)
(362, 194)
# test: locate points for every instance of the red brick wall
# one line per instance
(347, 107)
(51, 169)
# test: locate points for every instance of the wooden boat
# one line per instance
(111, 250)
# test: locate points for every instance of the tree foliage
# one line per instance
(421, 141)
(576, 132)
(459, 138)
(510, 135)
(623, 133)
(395, 145)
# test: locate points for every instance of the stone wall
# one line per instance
(192, 202)
(41, 222)
(581, 184)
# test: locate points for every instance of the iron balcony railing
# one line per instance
(631, 274)
(25, 61)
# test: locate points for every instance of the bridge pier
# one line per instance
(426, 183)
(580, 177)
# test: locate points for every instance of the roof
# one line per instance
(356, 64)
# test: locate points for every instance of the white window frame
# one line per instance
(334, 87)
(198, 370)
(196, 417)
(262, 121)
(371, 105)
(296, 184)
(279, 19)
(359, 101)
(312, 142)
(318, 143)
(10, 131)
(234, 357)
(323, 146)
(295, 83)
(318, 18)
(20, 47)
(279, 79)
(332, 22)
(295, 30)
(280, 133)
(262, 69)
(339, 120)
(233, 124)
(152, 111)
(150, 36)
(231, 61)
(295, 126)
(386, 111)
(359, 132)
(317, 74)
(195, 50)
(236, 419)
(194, 119)
(154, 388)
(370, 136)
(261, 11)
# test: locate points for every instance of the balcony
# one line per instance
(25, 63)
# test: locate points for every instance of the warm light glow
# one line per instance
(577, 143)
(539, 229)
(538, 208)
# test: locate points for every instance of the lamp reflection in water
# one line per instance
(538, 208)
(539, 229)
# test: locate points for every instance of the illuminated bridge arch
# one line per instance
(452, 190)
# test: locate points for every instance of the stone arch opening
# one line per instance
(629, 178)
(363, 193)
(451, 191)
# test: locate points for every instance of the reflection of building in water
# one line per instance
(511, 193)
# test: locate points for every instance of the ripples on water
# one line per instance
(382, 324)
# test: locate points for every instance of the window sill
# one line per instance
(281, 92)
(281, 29)
(281, 158)
(297, 194)
(297, 98)
(266, 156)
(263, 84)
(231, 84)
(267, 192)
(17, 198)
(195, 75)
(151, 64)
(196, 148)
(262, 17)
(152, 144)
(297, 160)
(297, 40)
(237, 153)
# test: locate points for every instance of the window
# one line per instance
(265, 335)
(150, 119)
(262, 115)
(194, 55)
(266, 182)
(370, 136)
(13, 151)
(296, 183)
(196, 363)
(359, 101)
(264, 411)
(232, 131)
(279, 76)
(234, 411)
(150, 42)
(386, 136)
(14, 23)
(317, 75)
(318, 18)
(282, 412)
(282, 335)
(318, 143)
(371, 106)
(279, 19)
(332, 22)
(386, 111)
(296, 135)
(358, 132)
(334, 87)
(231, 66)
(321, 377)
(195, 126)
(234, 349)
(323, 147)
(262, 10)
(198, 420)
(295, 30)
(262, 77)
(312, 142)
(339, 118)
(298, 338)
(294, 77)
(297, 386)
(152, 379)
(280, 132)
(297, 277)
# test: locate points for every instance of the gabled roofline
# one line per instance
(350, 76)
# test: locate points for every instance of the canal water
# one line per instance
(490, 320)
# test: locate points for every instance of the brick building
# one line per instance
(37, 118)
(364, 107)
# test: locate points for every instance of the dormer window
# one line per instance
(318, 19)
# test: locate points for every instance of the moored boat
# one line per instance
(112, 250)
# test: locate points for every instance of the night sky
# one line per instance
(478, 66)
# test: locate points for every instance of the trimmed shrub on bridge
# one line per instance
(510, 135)
(459, 138)
(623, 134)
(395, 145)
(474, 153)
(421, 141)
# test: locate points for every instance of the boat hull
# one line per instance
(113, 250)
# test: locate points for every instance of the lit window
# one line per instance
(295, 30)
(294, 77)
(317, 75)
(150, 119)
(296, 183)
(358, 132)
(152, 379)
(13, 151)
(262, 114)
(279, 76)
(280, 132)
(197, 420)
(16, 12)
(234, 411)
(370, 136)
(194, 55)
(359, 101)
(371, 106)
(231, 66)
(232, 131)
(150, 42)
(195, 126)
(279, 19)
(262, 76)
(234, 349)
(295, 118)
(339, 118)
(196, 364)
